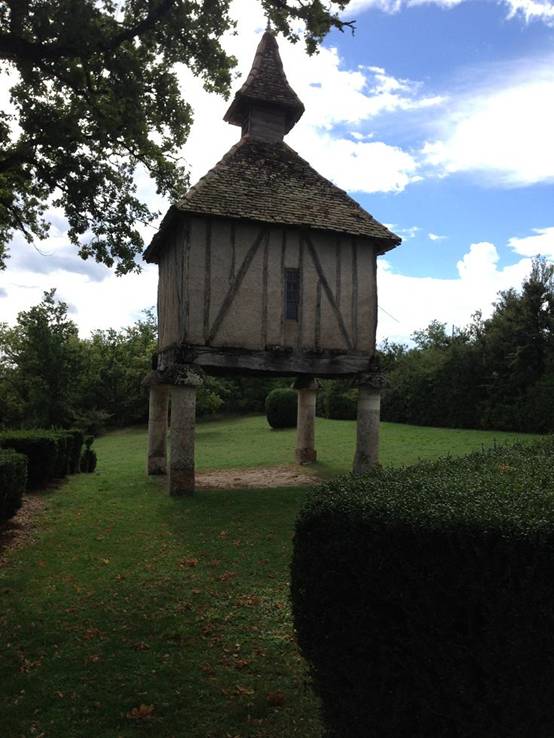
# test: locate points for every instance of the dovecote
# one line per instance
(265, 267)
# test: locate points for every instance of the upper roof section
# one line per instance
(271, 183)
(266, 86)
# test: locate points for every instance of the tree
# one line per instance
(114, 365)
(40, 364)
(96, 94)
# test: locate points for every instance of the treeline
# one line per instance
(52, 378)
(496, 373)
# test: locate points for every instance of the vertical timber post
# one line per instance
(306, 389)
(367, 429)
(183, 416)
(157, 428)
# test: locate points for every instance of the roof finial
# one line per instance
(268, 27)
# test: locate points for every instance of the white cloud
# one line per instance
(528, 10)
(542, 242)
(531, 10)
(335, 98)
(501, 131)
(405, 232)
(435, 237)
(416, 301)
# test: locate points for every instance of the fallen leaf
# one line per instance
(141, 712)
(276, 699)
(227, 575)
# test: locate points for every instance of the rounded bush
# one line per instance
(281, 408)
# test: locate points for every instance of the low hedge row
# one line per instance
(13, 478)
(51, 454)
(423, 598)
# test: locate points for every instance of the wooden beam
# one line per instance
(207, 278)
(283, 290)
(277, 361)
(354, 293)
(264, 289)
(234, 287)
(317, 337)
(300, 292)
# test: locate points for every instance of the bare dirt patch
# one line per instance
(277, 476)
(21, 529)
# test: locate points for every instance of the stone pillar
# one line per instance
(369, 412)
(157, 428)
(306, 388)
(183, 416)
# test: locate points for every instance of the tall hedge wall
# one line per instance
(423, 598)
(13, 478)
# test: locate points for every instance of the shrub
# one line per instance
(42, 449)
(423, 598)
(88, 459)
(281, 408)
(341, 401)
(13, 478)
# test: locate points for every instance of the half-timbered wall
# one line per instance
(221, 284)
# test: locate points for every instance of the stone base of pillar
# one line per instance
(305, 455)
(157, 427)
(306, 390)
(367, 430)
(156, 465)
(183, 414)
(182, 482)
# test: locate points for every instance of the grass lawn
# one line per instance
(137, 614)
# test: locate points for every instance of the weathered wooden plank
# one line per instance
(207, 278)
(354, 293)
(186, 281)
(317, 337)
(233, 252)
(235, 286)
(283, 295)
(277, 361)
(338, 272)
(328, 292)
(301, 292)
(264, 289)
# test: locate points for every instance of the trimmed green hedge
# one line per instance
(41, 449)
(51, 454)
(423, 598)
(281, 408)
(13, 479)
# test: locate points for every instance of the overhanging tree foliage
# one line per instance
(96, 94)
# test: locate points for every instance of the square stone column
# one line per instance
(182, 429)
(369, 417)
(157, 428)
(306, 388)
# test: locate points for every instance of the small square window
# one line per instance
(292, 293)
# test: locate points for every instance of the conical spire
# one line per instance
(266, 89)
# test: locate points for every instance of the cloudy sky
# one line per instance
(437, 116)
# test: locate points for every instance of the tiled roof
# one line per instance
(266, 83)
(271, 183)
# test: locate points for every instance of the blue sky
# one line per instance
(450, 51)
(438, 117)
